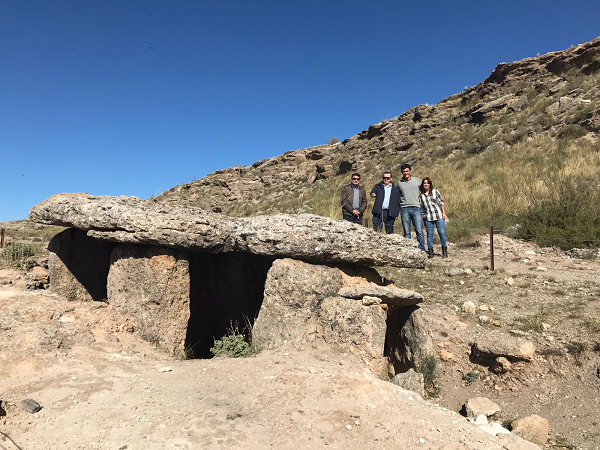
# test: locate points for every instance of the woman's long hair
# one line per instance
(422, 189)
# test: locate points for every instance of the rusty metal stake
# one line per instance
(366, 224)
(2, 238)
(492, 248)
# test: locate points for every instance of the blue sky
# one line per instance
(122, 97)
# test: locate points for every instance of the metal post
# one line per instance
(492, 248)
(2, 238)
(366, 224)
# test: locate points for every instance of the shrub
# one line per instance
(333, 140)
(234, 346)
(572, 132)
(568, 218)
(428, 369)
(18, 255)
(235, 343)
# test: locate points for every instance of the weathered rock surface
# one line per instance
(78, 266)
(408, 339)
(307, 237)
(489, 347)
(391, 296)
(301, 306)
(481, 405)
(293, 294)
(411, 381)
(152, 286)
(533, 428)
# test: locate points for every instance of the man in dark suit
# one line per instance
(387, 204)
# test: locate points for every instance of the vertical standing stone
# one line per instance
(78, 265)
(152, 285)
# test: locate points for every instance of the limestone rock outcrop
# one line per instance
(306, 237)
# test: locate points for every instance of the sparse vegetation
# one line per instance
(17, 255)
(533, 322)
(428, 369)
(235, 343)
(470, 377)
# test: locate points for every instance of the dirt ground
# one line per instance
(101, 386)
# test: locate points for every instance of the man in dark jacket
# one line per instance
(354, 200)
(387, 204)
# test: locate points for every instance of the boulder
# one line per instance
(533, 428)
(152, 286)
(481, 405)
(408, 339)
(411, 381)
(491, 346)
(294, 291)
(304, 236)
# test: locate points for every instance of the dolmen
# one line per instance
(185, 277)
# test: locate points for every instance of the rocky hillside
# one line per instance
(541, 112)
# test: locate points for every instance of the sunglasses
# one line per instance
(387, 178)
(354, 178)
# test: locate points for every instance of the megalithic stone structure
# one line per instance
(303, 236)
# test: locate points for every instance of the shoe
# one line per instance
(444, 252)
(430, 253)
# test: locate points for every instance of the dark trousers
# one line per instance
(354, 219)
(383, 218)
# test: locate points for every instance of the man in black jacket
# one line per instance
(387, 204)
(354, 200)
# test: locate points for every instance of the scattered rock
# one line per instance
(445, 355)
(37, 278)
(30, 405)
(510, 281)
(481, 406)
(468, 307)
(533, 428)
(455, 271)
(501, 365)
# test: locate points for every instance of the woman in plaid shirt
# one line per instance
(434, 214)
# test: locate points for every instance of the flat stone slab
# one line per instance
(492, 346)
(391, 296)
(302, 236)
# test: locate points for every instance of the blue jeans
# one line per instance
(384, 217)
(414, 214)
(440, 224)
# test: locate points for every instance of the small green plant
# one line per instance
(470, 377)
(333, 140)
(444, 334)
(577, 349)
(234, 344)
(18, 255)
(428, 369)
